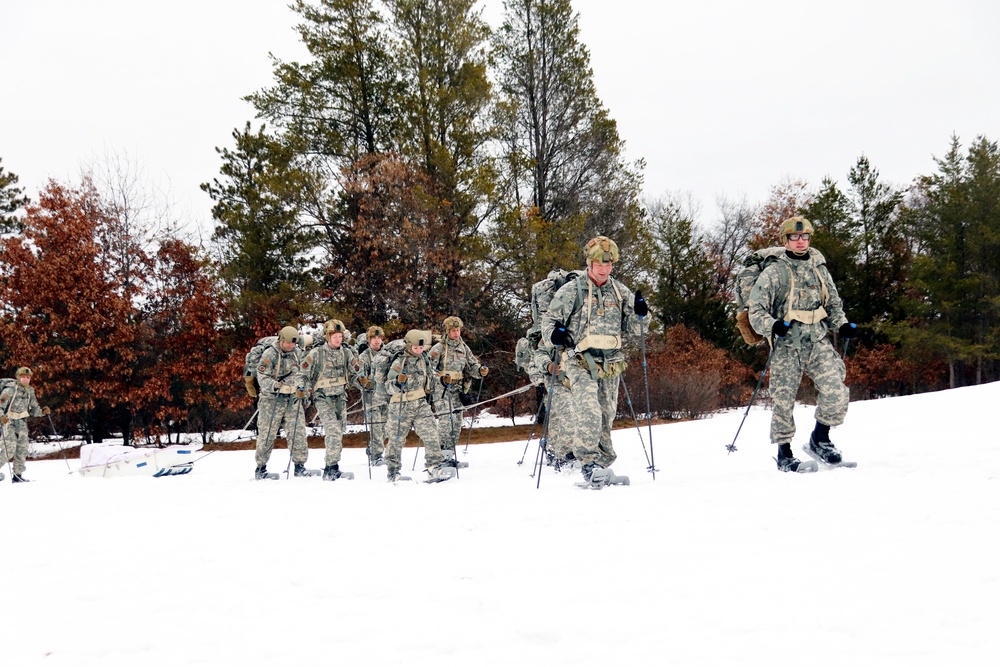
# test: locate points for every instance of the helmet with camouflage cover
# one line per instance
(23, 370)
(417, 337)
(600, 249)
(453, 322)
(375, 330)
(795, 225)
(334, 326)
(288, 335)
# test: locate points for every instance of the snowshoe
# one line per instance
(788, 463)
(396, 477)
(824, 452)
(598, 477)
(440, 474)
(262, 473)
(810, 449)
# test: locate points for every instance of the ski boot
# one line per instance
(332, 473)
(788, 463)
(823, 451)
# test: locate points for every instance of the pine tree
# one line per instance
(11, 199)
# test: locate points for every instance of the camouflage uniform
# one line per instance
(17, 403)
(454, 359)
(280, 374)
(376, 403)
(409, 408)
(585, 393)
(806, 348)
(328, 372)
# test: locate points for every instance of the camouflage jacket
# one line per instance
(19, 399)
(608, 315)
(280, 371)
(455, 359)
(329, 371)
(769, 299)
(419, 376)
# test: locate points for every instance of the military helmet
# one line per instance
(796, 225)
(288, 335)
(415, 337)
(453, 322)
(307, 341)
(334, 326)
(601, 249)
(23, 370)
(375, 330)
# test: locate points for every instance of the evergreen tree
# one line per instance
(263, 248)
(11, 199)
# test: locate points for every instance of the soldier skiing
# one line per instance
(582, 339)
(17, 403)
(454, 363)
(410, 385)
(329, 369)
(795, 302)
(282, 394)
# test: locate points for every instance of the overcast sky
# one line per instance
(719, 97)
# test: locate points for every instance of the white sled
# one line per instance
(119, 460)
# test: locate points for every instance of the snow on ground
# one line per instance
(721, 560)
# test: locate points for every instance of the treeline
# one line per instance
(419, 165)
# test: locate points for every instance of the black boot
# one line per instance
(260, 472)
(823, 449)
(16, 479)
(331, 473)
(300, 470)
(786, 460)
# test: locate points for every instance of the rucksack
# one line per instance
(255, 353)
(385, 358)
(746, 278)
(542, 294)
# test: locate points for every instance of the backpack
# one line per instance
(385, 358)
(542, 294)
(255, 353)
(746, 278)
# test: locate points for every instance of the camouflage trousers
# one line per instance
(273, 413)
(14, 445)
(582, 416)
(820, 362)
(332, 412)
(449, 425)
(416, 414)
(376, 416)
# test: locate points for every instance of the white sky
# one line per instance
(719, 97)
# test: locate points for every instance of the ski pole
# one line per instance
(368, 449)
(538, 413)
(638, 429)
(56, 435)
(295, 426)
(452, 428)
(542, 442)
(645, 379)
(732, 447)
(473, 422)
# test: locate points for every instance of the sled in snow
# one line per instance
(120, 460)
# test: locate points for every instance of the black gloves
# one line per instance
(559, 335)
(847, 330)
(640, 308)
(780, 328)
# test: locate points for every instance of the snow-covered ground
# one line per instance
(721, 560)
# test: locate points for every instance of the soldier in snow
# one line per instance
(329, 369)
(373, 395)
(795, 300)
(282, 394)
(17, 403)
(454, 363)
(584, 323)
(410, 382)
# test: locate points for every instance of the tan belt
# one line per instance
(330, 382)
(807, 316)
(599, 342)
(454, 376)
(407, 396)
(17, 415)
(285, 389)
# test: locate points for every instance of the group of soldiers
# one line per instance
(419, 376)
(577, 355)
